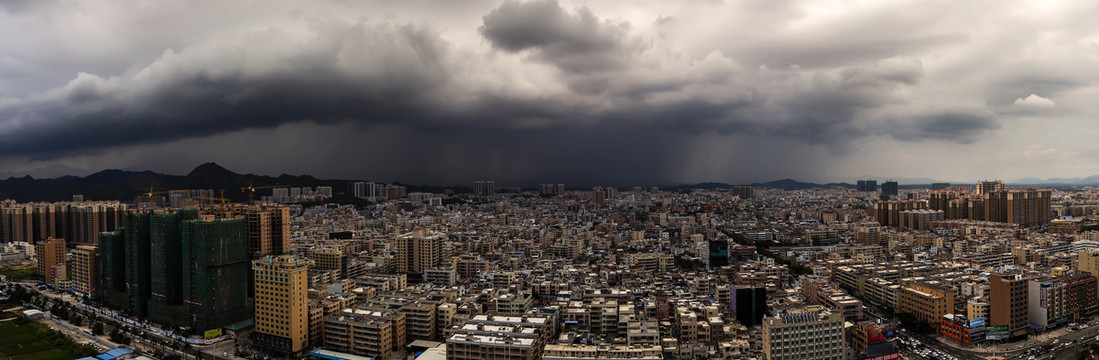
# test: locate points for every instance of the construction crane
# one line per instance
(222, 199)
(251, 190)
(152, 193)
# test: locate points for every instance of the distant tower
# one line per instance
(743, 191)
(484, 188)
(867, 185)
(598, 197)
(889, 188)
(987, 186)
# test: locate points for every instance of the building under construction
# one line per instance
(177, 268)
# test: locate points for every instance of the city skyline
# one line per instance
(553, 91)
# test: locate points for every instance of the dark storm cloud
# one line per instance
(344, 71)
(601, 75)
(576, 41)
(959, 125)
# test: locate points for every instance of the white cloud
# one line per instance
(1035, 101)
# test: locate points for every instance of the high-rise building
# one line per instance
(77, 222)
(890, 188)
(89, 219)
(1088, 262)
(867, 185)
(200, 265)
(551, 189)
(85, 267)
(484, 188)
(1081, 295)
(1008, 308)
(940, 199)
(281, 317)
(1047, 302)
(377, 191)
(51, 258)
(749, 303)
(598, 197)
(810, 333)
(395, 192)
(987, 186)
(112, 269)
(216, 265)
(268, 229)
(165, 272)
(418, 251)
(1030, 207)
(743, 191)
(888, 212)
(359, 189)
(719, 253)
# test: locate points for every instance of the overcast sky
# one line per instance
(586, 92)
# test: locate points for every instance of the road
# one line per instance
(221, 351)
(1085, 337)
(930, 342)
(1080, 339)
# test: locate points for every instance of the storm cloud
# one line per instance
(546, 72)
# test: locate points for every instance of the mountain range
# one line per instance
(126, 185)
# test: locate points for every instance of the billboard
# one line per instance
(874, 335)
(996, 333)
(210, 334)
(889, 356)
(889, 331)
(976, 322)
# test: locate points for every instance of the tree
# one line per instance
(119, 338)
(76, 321)
(97, 328)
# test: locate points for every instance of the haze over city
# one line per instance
(641, 92)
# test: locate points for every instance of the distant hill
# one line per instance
(1077, 181)
(49, 172)
(127, 185)
(786, 184)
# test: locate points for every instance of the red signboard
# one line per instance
(889, 356)
(874, 335)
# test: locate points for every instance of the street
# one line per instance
(1033, 344)
(223, 350)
